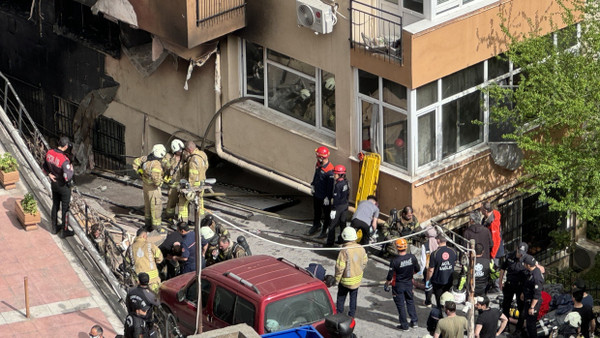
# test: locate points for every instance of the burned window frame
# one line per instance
(310, 99)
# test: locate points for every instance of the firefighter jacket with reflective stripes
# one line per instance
(172, 167)
(196, 166)
(145, 256)
(152, 171)
(57, 163)
(350, 265)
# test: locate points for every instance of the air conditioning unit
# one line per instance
(315, 15)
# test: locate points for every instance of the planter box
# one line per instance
(28, 221)
(8, 180)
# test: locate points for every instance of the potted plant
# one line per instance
(8, 171)
(27, 212)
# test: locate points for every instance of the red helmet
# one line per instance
(322, 152)
(339, 169)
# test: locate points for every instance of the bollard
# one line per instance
(27, 314)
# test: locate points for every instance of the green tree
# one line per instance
(555, 109)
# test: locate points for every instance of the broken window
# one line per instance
(292, 87)
(109, 143)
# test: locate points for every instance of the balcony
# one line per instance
(187, 23)
(376, 32)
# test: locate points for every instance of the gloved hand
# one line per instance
(386, 287)
(326, 201)
(140, 171)
(427, 284)
(168, 179)
(332, 214)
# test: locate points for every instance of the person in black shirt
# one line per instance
(339, 204)
(484, 268)
(486, 325)
(532, 295)
(400, 275)
(141, 296)
(515, 273)
(136, 326)
(441, 268)
(588, 324)
(170, 247)
(322, 190)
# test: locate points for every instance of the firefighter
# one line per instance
(400, 275)
(339, 204)
(195, 168)
(172, 166)
(60, 171)
(396, 227)
(144, 256)
(219, 229)
(349, 267)
(322, 190)
(150, 169)
(212, 251)
(229, 249)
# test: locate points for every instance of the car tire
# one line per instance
(169, 325)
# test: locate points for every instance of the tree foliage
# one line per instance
(555, 109)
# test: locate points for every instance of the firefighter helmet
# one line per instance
(339, 169)
(177, 145)
(446, 297)
(349, 234)
(401, 244)
(207, 233)
(322, 152)
(207, 220)
(159, 151)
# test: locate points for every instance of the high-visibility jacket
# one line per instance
(152, 171)
(196, 166)
(350, 264)
(172, 168)
(145, 256)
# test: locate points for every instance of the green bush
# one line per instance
(29, 204)
(8, 163)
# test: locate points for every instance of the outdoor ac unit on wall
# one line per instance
(315, 15)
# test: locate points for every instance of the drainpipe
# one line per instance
(253, 167)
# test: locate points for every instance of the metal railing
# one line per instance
(376, 31)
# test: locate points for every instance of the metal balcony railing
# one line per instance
(376, 31)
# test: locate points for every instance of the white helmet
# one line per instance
(207, 233)
(349, 234)
(159, 151)
(176, 145)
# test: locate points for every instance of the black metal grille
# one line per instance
(64, 113)
(376, 31)
(109, 143)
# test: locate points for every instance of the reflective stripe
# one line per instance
(152, 273)
(156, 170)
(351, 280)
(197, 184)
(193, 171)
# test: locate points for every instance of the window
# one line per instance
(414, 5)
(462, 80)
(244, 312)
(426, 136)
(458, 123)
(292, 87)
(224, 305)
(298, 310)
(384, 123)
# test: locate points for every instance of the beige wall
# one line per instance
(161, 98)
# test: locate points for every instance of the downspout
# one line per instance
(255, 168)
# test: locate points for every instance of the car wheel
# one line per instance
(168, 324)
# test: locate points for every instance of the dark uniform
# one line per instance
(483, 270)
(141, 297)
(341, 191)
(323, 185)
(167, 250)
(189, 251)
(402, 268)
(442, 261)
(136, 327)
(515, 277)
(57, 163)
(532, 289)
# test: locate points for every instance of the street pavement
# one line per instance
(63, 301)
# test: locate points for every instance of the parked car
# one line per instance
(267, 293)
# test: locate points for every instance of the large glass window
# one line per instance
(462, 80)
(293, 87)
(414, 5)
(459, 123)
(384, 123)
(298, 310)
(426, 136)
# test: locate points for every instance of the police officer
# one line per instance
(60, 171)
(151, 170)
(195, 168)
(402, 268)
(141, 294)
(339, 204)
(532, 294)
(516, 274)
(173, 167)
(135, 324)
(441, 268)
(322, 190)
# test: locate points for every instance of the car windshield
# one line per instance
(297, 310)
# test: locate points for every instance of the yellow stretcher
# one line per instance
(367, 182)
(369, 176)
